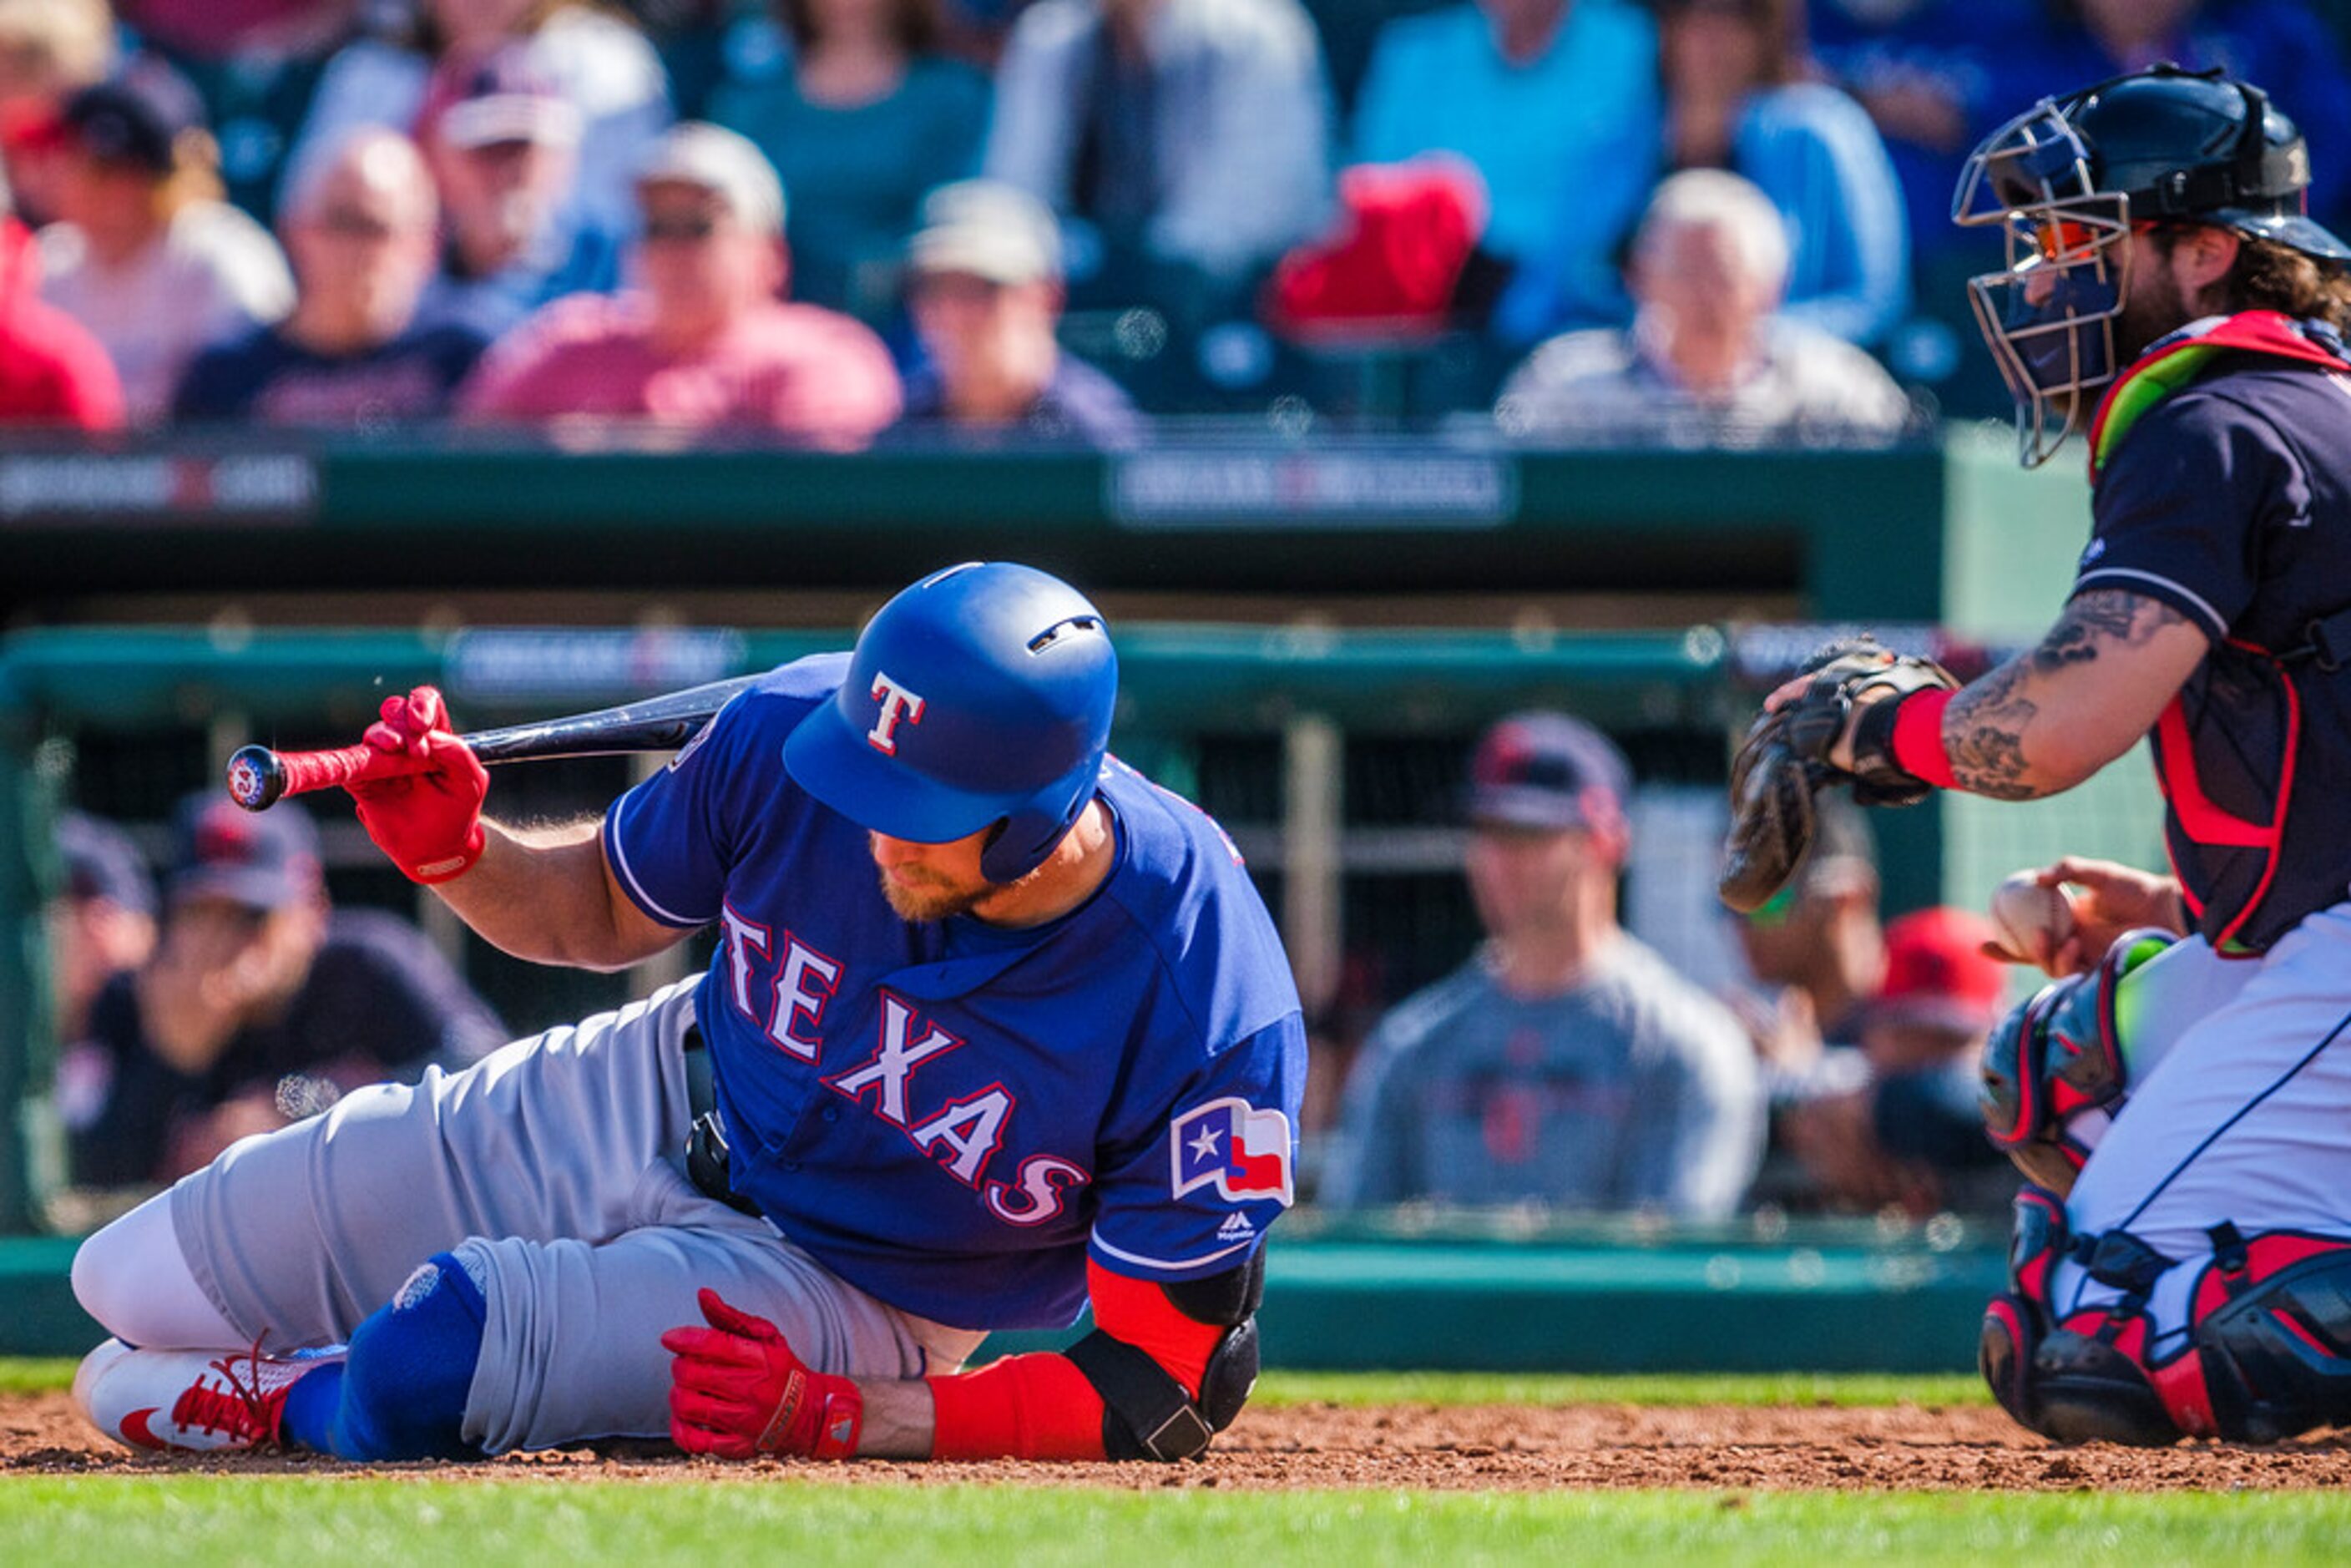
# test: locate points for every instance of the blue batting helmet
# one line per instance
(980, 696)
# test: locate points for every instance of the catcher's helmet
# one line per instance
(980, 696)
(2066, 180)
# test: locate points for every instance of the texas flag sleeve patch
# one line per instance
(1233, 1146)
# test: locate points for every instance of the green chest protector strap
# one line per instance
(2182, 358)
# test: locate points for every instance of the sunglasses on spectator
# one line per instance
(694, 228)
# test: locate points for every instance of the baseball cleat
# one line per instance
(184, 1401)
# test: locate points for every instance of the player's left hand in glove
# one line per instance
(430, 823)
(1833, 723)
(737, 1391)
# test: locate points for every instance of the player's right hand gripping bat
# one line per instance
(1784, 762)
(259, 777)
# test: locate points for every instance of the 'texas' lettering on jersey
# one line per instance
(784, 994)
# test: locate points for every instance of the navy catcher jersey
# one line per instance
(949, 1114)
(2229, 501)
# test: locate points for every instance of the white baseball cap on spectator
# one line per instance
(985, 228)
(503, 98)
(695, 152)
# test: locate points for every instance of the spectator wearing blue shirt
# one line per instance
(1925, 70)
(862, 116)
(1737, 97)
(985, 284)
(1544, 98)
(360, 232)
(2278, 44)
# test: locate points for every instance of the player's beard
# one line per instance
(931, 896)
(924, 894)
(2155, 306)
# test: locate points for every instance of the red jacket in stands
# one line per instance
(51, 371)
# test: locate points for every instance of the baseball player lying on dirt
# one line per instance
(994, 1029)
(2196, 1276)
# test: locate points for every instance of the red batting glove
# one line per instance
(737, 1391)
(430, 823)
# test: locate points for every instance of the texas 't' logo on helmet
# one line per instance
(898, 705)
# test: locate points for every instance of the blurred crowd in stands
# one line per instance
(1694, 221)
(1567, 1066)
(232, 1000)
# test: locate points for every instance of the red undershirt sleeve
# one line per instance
(1042, 1407)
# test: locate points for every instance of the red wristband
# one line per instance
(1036, 1407)
(1919, 738)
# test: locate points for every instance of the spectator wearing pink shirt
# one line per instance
(704, 342)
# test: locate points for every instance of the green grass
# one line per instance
(353, 1518)
(196, 1519)
(21, 1375)
(28, 1374)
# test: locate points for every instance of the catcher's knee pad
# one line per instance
(1146, 1414)
(412, 1362)
(2055, 1071)
(2085, 1379)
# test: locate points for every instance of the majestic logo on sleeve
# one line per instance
(898, 705)
(1230, 1145)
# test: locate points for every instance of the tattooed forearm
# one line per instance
(1985, 727)
(1983, 732)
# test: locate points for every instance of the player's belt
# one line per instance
(705, 1141)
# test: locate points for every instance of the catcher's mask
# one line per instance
(2069, 179)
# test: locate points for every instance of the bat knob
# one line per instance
(255, 777)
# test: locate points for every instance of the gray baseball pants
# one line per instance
(554, 1170)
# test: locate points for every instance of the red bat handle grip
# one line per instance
(259, 777)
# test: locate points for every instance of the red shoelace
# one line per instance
(236, 1407)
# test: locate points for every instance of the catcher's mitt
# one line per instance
(1784, 762)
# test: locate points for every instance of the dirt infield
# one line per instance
(1483, 1447)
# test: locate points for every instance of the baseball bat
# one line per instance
(259, 777)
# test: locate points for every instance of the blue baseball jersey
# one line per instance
(950, 1114)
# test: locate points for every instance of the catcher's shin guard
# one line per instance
(2080, 1381)
(2272, 1329)
(2266, 1351)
